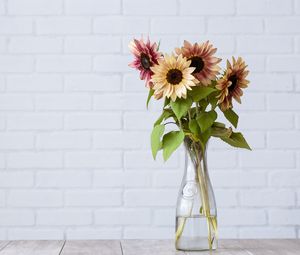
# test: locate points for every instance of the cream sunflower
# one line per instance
(172, 77)
(202, 59)
(232, 83)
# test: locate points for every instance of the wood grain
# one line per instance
(32, 248)
(149, 247)
(92, 247)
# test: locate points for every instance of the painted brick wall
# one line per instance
(74, 132)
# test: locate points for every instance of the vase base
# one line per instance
(193, 235)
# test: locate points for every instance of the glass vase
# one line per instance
(196, 212)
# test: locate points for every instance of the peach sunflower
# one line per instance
(146, 55)
(232, 83)
(202, 59)
(172, 77)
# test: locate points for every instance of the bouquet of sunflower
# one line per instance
(193, 87)
(194, 90)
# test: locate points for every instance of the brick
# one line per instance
(121, 25)
(104, 159)
(16, 141)
(202, 7)
(256, 63)
(267, 159)
(66, 140)
(280, 140)
(35, 45)
(236, 25)
(264, 7)
(144, 160)
(123, 217)
(16, 179)
(149, 233)
(2, 198)
(2, 7)
(34, 82)
(167, 178)
(2, 160)
(16, 102)
(93, 198)
(20, 217)
(266, 121)
(150, 197)
(267, 232)
(35, 234)
(284, 178)
(130, 122)
(92, 44)
(242, 217)
(286, 25)
(271, 82)
(121, 179)
(226, 198)
(34, 160)
(35, 7)
(176, 25)
(63, 102)
(144, 7)
(263, 198)
(94, 233)
(2, 122)
(3, 44)
(121, 139)
(63, 179)
(97, 121)
(252, 102)
(278, 64)
(92, 82)
(16, 25)
(63, 25)
(221, 159)
(35, 121)
(265, 44)
(63, 64)
(92, 7)
(238, 179)
(164, 217)
(63, 217)
(35, 198)
(284, 101)
(16, 64)
(132, 83)
(112, 63)
(284, 217)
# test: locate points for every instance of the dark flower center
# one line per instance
(198, 63)
(145, 61)
(174, 76)
(234, 81)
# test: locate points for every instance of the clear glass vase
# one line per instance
(196, 212)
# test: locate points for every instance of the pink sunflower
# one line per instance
(202, 59)
(146, 55)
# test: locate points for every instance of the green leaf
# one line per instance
(156, 143)
(150, 94)
(237, 140)
(206, 119)
(232, 117)
(167, 101)
(204, 137)
(171, 141)
(165, 115)
(221, 132)
(199, 93)
(181, 106)
(219, 124)
(194, 127)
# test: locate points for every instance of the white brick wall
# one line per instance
(74, 130)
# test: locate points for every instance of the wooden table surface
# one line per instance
(146, 247)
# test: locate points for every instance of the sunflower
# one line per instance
(232, 83)
(202, 59)
(172, 77)
(146, 55)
